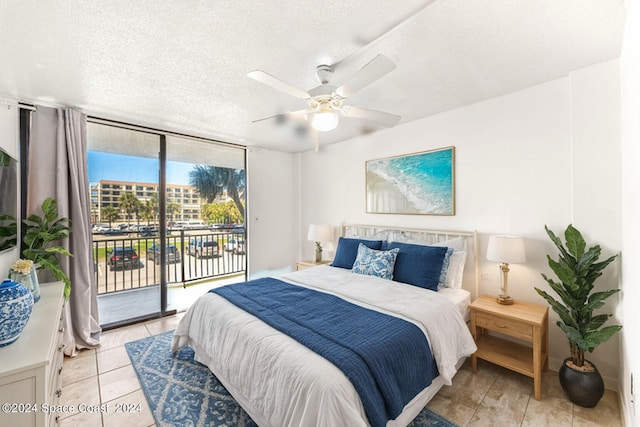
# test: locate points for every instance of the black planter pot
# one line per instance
(582, 388)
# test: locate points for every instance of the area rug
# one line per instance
(182, 392)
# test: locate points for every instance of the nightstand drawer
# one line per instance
(505, 326)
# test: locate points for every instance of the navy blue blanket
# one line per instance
(387, 359)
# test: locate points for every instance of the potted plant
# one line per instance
(39, 233)
(577, 268)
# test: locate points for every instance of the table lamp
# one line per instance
(319, 234)
(505, 250)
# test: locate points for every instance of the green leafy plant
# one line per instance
(577, 268)
(8, 232)
(39, 235)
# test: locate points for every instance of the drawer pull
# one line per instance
(59, 392)
(59, 370)
(60, 329)
(60, 348)
(57, 419)
(500, 325)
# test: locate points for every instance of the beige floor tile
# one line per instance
(502, 406)
(84, 392)
(552, 412)
(468, 388)
(165, 324)
(118, 382)
(113, 358)
(453, 411)
(605, 413)
(79, 368)
(118, 337)
(130, 410)
(85, 419)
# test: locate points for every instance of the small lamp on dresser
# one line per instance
(319, 234)
(505, 250)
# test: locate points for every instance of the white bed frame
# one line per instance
(470, 280)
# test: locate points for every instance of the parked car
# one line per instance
(240, 248)
(230, 245)
(147, 231)
(113, 232)
(203, 248)
(172, 253)
(123, 258)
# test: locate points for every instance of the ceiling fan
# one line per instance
(326, 101)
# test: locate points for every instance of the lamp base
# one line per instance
(318, 257)
(504, 299)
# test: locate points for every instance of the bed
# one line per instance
(274, 374)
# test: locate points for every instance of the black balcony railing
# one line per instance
(131, 261)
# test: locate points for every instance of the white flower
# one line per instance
(22, 266)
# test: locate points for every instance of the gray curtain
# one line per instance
(58, 168)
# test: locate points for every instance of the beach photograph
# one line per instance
(421, 183)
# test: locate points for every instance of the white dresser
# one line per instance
(30, 368)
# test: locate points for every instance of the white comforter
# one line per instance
(278, 381)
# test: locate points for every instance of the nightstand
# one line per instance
(524, 321)
(301, 265)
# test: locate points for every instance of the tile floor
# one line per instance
(494, 396)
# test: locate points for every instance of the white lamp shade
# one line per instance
(509, 249)
(320, 233)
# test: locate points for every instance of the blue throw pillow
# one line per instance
(348, 250)
(375, 263)
(418, 265)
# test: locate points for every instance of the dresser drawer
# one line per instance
(505, 326)
(55, 385)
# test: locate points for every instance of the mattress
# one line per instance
(460, 297)
(281, 383)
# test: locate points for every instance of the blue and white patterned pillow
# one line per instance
(375, 263)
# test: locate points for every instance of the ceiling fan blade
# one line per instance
(385, 119)
(372, 71)
(276, 83)
(281, 118)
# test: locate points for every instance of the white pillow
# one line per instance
(457, 260)
(459, 243)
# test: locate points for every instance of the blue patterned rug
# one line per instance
(182, 392)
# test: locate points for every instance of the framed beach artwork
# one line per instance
(421, 183)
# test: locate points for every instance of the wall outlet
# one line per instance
(485, 276)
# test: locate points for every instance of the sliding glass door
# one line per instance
(205, 209)
(167, 214)
(124, 182)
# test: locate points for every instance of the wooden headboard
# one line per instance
(384, 232)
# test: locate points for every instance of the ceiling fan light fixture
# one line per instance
(324, 121)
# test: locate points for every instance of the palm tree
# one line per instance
(150, 208)
(128, 203)
(110, 214)
(212, 181)
(172, 209)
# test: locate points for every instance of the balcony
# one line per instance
(128, 269)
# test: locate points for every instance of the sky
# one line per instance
(118, 167)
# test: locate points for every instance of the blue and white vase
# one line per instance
(16, 305)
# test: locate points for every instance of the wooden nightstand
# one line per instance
(525, 321)
(301, 265)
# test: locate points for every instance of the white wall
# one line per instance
(270, 212)
(523, 160)
(9, 142)
(630, 344)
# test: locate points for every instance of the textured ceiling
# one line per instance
(181, 65)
